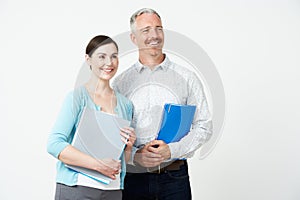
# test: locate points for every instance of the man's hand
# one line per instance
(147, 158)
(161, 148)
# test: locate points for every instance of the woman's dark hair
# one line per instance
(98, 41)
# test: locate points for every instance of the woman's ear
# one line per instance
(88, 60)
(87, 57)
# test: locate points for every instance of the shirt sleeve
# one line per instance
(201, 129)
(59, 136)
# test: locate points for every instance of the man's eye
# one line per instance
(102, 57)
(145, 31)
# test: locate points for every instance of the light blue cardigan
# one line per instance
(65, 126)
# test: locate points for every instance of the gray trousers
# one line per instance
(64, 192)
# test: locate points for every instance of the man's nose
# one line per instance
(153, 33)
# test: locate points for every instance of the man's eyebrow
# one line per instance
(147, 27)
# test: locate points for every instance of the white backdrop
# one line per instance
(254, 45)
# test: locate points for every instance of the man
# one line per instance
(159, 170)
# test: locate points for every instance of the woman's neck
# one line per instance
(98, 86)
(102, 95)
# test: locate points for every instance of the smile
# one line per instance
(107, 70)
(154, 43)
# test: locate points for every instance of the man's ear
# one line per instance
(133, 38)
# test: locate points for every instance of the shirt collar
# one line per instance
(164, 65)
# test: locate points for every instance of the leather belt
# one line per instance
(162, 168)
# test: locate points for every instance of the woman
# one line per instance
(102, 57)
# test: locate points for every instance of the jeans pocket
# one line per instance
(179, 174)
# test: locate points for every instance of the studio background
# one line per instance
(254, 45)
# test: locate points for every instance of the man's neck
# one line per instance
(151, 61)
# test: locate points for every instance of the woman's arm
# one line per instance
(59, 140)
(72, 156)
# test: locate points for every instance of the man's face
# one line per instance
(148, 34)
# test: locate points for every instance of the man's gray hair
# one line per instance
(138, 13)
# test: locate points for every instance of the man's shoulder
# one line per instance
(182, 70)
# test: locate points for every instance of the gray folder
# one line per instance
(98, 135)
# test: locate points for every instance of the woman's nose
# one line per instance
(108, 60)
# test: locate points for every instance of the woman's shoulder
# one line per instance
(79, 92)
(122, 99)
(124, 106)
(76, 95)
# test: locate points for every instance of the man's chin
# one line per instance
(154, 51)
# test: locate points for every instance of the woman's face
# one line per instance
(104, 61)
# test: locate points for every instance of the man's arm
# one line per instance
(201, 130)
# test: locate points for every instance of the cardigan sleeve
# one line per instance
(61, 133)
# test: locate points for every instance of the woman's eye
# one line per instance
(102, 57)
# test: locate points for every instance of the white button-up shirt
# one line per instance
(150, 89)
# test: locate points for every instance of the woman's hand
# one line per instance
(128, 137)
(72, 156)
(109, 167)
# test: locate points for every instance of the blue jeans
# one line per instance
(169, 185)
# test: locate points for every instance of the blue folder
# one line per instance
(176, 122)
